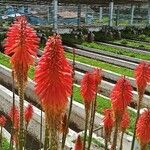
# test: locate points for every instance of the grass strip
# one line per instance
(102, 103)
(103, 65)
(5, 144)
(120, 51)
(136, 44)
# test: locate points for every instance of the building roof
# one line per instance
(99, 2)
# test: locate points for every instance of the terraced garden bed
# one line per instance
(116, 50)
(102, 102)
(132, 44)
(103, 65)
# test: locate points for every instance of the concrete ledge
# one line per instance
(126, 48)
(106, 73)
(111, 54)
(102, 57)
(5, 77)
(34, 126)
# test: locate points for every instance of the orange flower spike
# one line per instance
(121, 96)
(108, 122)
(2, 121)
(98, 76)
(28, 114)
(89, 84)
(53, 78)
(14, 116)
(142, 75)
(21, 44)
(125, 122)
(78, 144)
(143, 128)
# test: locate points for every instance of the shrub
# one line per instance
(141, 46)
(124, 42)
(142, 37)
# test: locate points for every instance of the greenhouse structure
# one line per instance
(74, 74)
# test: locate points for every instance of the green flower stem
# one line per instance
(115, 135)
(86, 127)
(1, 138)
(46, 141)
(121, 142)
(70, 106)
(21, 105)
(137, 117)
(93, 111)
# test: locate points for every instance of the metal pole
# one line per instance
(132, 14)
(48, 14)
(111, 7)
(149, 12)
(79, 15)
(86, 15)
(100, 13)
(55, 15)
(117, 16)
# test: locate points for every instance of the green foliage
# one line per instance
(103, 65)
(2, 36)
(120, 51)
(141, 46)
(124, 42)
(102, 103)
(71, 39)
(132, 43)
(142, 37)
(5, 144)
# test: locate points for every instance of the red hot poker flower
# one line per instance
(143, 127)
(14, 116)
(53, 78)
(125, 121)
(28, 113)
(121, 96)
(108, 122)
(142, 75)
(2, 121)
(98, 76)
(78, 144)
(21, 44)
(89, 85)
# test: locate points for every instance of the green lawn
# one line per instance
(103, 65)
(102, 102)
(136, 44)
(5, 144)
(120, 51)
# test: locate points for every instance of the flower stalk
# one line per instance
(21, 105)
(46, 141)
(12, 128)
(19, 35)
(41, 130)
(123, 126)
(143, 128)
(93, 111)
(108, 125)
(1, 137)
(86, 128)
(71, 101)
(115, 136)
(142, 76)
(121, 96)
(121, 141)
(137, 117)
(54, 72)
